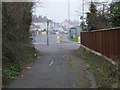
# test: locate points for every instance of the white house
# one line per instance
(68, 24)
(40, 25)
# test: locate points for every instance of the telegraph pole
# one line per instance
(83, 14)
(68, 14)
(68, 10)
(83, 7)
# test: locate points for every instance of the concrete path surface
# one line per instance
(57, 66)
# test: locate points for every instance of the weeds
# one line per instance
(105, 72)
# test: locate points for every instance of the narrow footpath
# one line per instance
(57, 66)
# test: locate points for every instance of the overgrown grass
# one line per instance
(70, 63)
(12, 68)
(10, 71)
(73, 39)
(105, 73)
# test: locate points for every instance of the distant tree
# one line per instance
(115, 14)
(92, 16)
(96, 19)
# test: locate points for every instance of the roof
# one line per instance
(73, 28)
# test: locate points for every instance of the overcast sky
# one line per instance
(57, 10)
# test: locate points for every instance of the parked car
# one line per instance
(54, 31)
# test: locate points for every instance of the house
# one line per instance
(39, 24)
(67, 24)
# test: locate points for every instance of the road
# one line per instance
(57, 66)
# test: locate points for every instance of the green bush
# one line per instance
(17, 49)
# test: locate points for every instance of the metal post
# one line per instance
(47, 33)
(83, 13)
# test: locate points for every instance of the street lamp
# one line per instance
(47, 32)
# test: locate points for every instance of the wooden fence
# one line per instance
(106, 42)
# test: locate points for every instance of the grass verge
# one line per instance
(73, 39)
(11, 68)
(105, 73)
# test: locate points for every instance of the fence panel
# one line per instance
(106, 42)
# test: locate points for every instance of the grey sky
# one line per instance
(57, 10)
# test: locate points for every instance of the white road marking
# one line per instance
(51, 63)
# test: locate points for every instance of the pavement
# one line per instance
(57, 66)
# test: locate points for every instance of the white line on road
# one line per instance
(51, 63)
